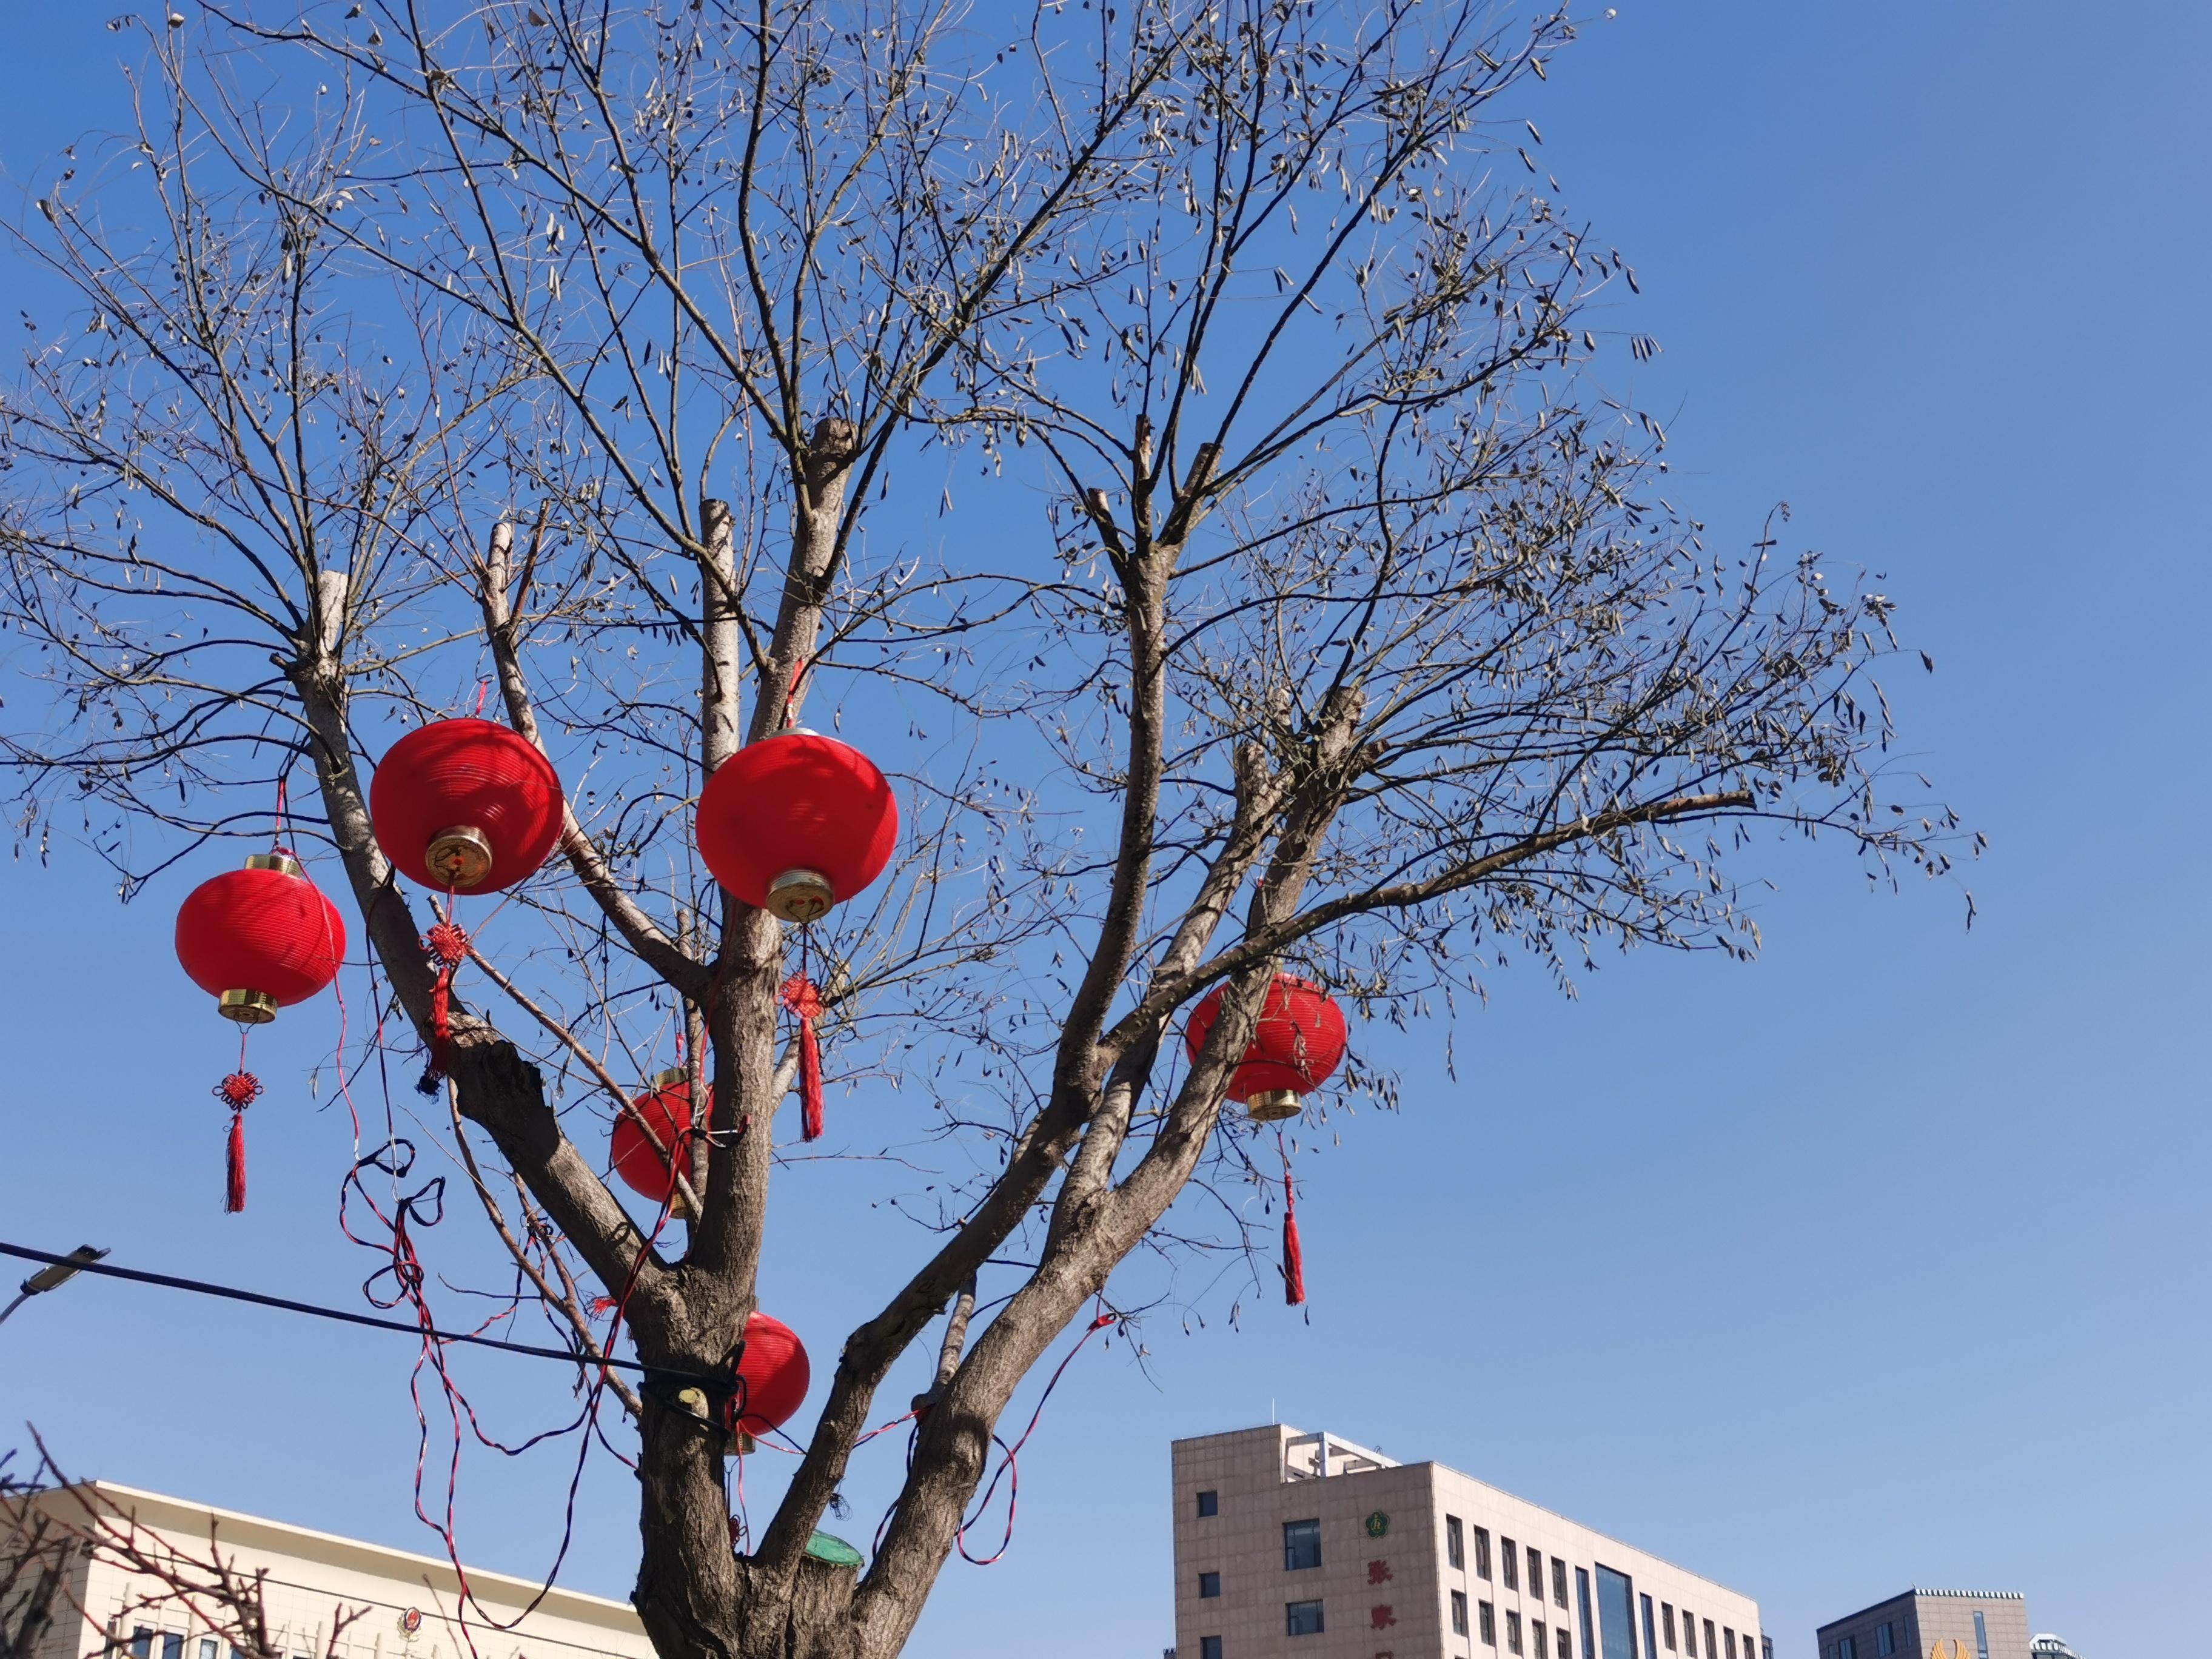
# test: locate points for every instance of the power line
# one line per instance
(233, 1293)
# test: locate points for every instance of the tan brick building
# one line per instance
(1931, 1624)
(1297, 1546)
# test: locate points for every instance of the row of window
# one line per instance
(1557, 1644)
(1885, 1640)
(141, 1646)
(1509, 1560)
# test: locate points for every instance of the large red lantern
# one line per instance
(773, 1378)
(648, 1169)
(797, 823)
(466, 805)
(256, 939)
(1298, 1045)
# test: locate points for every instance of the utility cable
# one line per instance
(418, 1331)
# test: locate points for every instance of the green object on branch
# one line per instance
(827, 1546)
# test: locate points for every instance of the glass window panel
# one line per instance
(1459, 1613)
(1302, 1617)
(1301, 1545)
(1209, 1502)
(1455, 1543)
(1209, 1585)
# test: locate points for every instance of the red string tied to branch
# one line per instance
(1294, 1262)
(800, 996)
(447, 945)
(238, 1091)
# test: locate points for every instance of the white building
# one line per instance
(1297, 1545)
(403, 1606)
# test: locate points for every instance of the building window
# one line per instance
(1565, 1642)
(1767, 1647)
(1713, 1651)
(1536, 1572)
(1482, 1551)
(1455, 1546)
(141, 1642)
(1511, 1555)
(1512, 1630)
(1650, 1631)
(172, 1646)
(1616, 1603)
(1209, 1586)
(1485, 1615)
(1846, 1648)
(1667, 1623)
(1689, 1635)
(1730, 1636)
(1302, 1617)
(1583, 1606)
(1885, 1639)
(1459, 1613)
(1209, 1502)
(1209, 1647)
(207, 1647)
(1301, 1547)
(1540, 1639)
(1981, 1636)
(1560, 1583)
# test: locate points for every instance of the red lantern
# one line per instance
(773, 1378)
(1298, 1045)
(797, 823)
(646, 1169)
(256, 939)
(466, 805)
(259, 938)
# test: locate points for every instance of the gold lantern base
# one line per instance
(800, 896)
(1272, 1105)
(283, 863)
(459, 856)
(247, 1007)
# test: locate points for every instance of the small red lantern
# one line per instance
(466, 805)
(646, 1169)
(1298, 1045)
(773, 1378)
(797, 823)
(259, 938)
(256, 939)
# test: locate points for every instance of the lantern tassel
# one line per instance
(234, 1195)
(800, 996)
(1294, 1265)
(447, 945)
(238, 1091)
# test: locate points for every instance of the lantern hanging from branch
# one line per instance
(773, 1376)
(1297, 1047)
(256, 939)
(466, 805)
(797, 823)
(648, 1163)
(462, 806)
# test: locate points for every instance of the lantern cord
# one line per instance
(1294, 1269)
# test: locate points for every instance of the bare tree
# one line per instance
(1162, 426)
(48, 1524)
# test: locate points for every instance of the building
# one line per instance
(130, 1603)
(1297, 1545)
(1932, 1624)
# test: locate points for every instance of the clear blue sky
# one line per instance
(1880, 1261)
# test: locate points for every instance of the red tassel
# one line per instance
(447, 945)
(234, 1195)
(1294, 1264)
(800, 996)
(238, 1091)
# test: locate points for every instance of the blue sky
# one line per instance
(1880, 1262)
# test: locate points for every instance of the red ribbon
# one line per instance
(800, 996)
